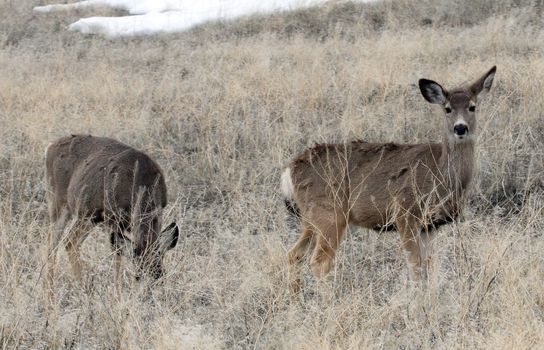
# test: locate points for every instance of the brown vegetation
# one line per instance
(221, 109)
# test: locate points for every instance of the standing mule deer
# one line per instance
(412, 188)
(97, 179)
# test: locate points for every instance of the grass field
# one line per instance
(222, 108)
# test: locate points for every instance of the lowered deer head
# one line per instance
(96, 179)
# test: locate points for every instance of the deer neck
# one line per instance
(457, 162)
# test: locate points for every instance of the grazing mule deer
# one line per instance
(97, 179)
(411, 188)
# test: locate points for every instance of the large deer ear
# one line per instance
(169, 237)
(432, 91)
(483, 84)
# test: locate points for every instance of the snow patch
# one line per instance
(167, 16)
(134, 7)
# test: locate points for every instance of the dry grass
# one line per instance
(222, 108)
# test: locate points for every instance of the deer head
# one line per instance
(459, 105)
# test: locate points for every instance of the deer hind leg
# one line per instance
(56, 230)
(298, 251)
(295, 256)
(426, 250)
(410, 235)
(77, 235)
(329, 225)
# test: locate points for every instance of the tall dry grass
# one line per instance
(221, 108)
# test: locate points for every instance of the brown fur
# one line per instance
(98, 179)
(408, 187)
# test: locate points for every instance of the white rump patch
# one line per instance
(47, 149)
(287, 187)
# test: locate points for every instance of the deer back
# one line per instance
(370, 182)
(102, 178)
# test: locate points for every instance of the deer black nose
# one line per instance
(460, 129)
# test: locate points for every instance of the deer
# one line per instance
(92, 180)
(410, 188)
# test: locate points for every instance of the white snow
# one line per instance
(134, 7)
(167, 16)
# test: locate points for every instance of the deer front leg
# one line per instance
(117, 241)
(118, 261)
(410, 238)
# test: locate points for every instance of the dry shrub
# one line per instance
(222, 108)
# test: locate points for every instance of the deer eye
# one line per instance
(448, 110)
(472, 108)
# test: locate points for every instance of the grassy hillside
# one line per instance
(222, 108)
